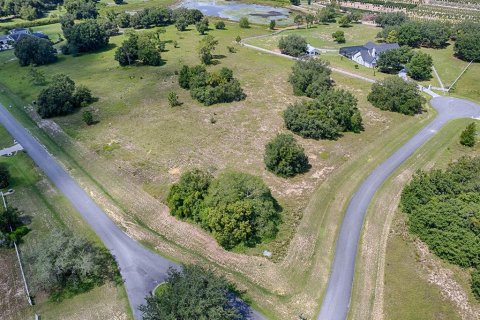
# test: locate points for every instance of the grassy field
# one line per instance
(394, 273)
(320, 36)
(128, 170)
(48, 210)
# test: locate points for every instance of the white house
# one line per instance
(367, 54)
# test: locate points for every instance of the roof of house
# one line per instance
(366, 51)
(40, 34)
(19, 30)
(5, 37)
(381, 47)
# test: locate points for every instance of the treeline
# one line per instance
(27, 9)
(431, 34)
(392, 4)
(443, 209)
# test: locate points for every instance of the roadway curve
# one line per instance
(337, 297)
(141, 269)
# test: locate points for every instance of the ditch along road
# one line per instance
(141, 269)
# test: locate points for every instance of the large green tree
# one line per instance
(468, 136)
(61, 97)
(395, 94)
(420, 66)
(467, 45)
(193, 293)
(293, 45)
(64, 264)
(310, 78)
(36, 51)
(285, 157)
(87, 36)
(392, 61)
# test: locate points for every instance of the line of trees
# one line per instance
(443, 209)
(432, 34)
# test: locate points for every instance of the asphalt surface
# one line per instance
(337, 297)
(141, 269)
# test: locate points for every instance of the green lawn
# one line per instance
(320, 36)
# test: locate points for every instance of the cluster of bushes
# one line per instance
(325, 117)
(194, 293)
(237, 208)
(443, 209)
(390, 4)
(395, 94)
(285, 157)
(145, 48)
(62, 97)
(293, 45)
(330, 113)
(210, 88)
(64, 264)
(37, 51)
(468, 138)
(27, 9)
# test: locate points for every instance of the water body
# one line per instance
(234, 10)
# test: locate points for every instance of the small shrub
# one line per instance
(87, 117)
(244, 23)
(468, 136)
(285, 157)
(220, 25)
(272, 25)
(173, 99)
(293, 45)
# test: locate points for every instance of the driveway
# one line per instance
(141, 269)
(337, 297)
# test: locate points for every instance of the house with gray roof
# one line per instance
(7, 41)
(367, 54)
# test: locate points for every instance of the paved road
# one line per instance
(141, 269)
(337, 297)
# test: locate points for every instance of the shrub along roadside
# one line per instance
(443, 209)
(237, 208)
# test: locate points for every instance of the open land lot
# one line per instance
(140, 146)
(132, 168)
(47, 210)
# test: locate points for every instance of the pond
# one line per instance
(233, 10)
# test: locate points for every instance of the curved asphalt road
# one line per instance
(336, 301)
(141, 269)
